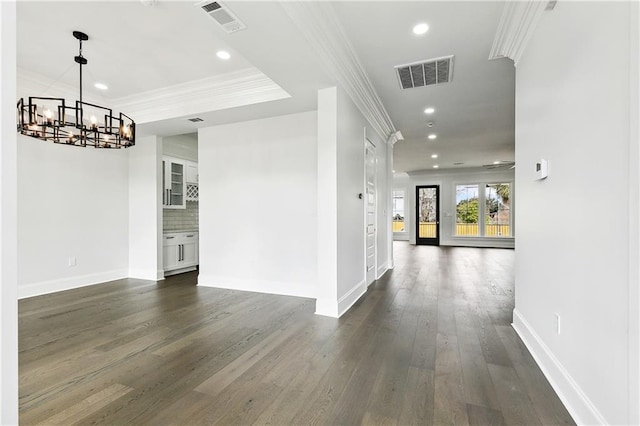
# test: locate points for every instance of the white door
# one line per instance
(370, 210)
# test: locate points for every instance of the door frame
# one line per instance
(427, 241)
(375, 211)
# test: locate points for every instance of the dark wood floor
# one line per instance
(430, 343)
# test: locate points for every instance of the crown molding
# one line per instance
(244, 87)
(395, 137)
(320, 25)
(240, 88)
(516, 26)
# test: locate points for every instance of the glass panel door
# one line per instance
(428, 215)
(177, 184)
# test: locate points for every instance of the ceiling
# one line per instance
(474, 113)
(132, 48)
(171, 43)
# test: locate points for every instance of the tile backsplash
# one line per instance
(180, 219)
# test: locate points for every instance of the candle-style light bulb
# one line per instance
(48, 116)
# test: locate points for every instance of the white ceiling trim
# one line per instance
(518, 21)
(395, 137)
(320, 25)
(240, 88)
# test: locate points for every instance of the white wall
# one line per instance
(573, 109)
(341, 143)
(8, 219)
(181, 146)
(352, 129)
(72, 202)
(327, 187)
(145, 209)
(447, 179)
(258, 208)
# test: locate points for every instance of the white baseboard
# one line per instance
(479, 242)
(337, 308)
(574, 399)
(52, 286)
(146, 274)
(327, 308)
(259, 286)
(351, 297)
(381, 270)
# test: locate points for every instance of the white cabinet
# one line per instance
(192, 172)
(174, 183)
(180, 252)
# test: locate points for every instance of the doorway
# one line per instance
(428, 215)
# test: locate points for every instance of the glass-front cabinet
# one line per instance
(174, 184)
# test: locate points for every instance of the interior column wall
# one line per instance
(8, 218)
(341, 141)
(145, 209)
(327, 187)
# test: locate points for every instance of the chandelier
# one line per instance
(84, 124)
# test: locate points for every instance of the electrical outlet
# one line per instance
(557, 323)
(72, 261)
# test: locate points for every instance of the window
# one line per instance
(467, 211)
(497, 210)
(483, 213)
(398, 211)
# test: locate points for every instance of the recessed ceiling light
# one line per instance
(420, 29)
(223, 55)
(393, 171)
(435, 166)
(432, 136)
(496, 162)
(101, 86)
(429, 110)
(434, 155)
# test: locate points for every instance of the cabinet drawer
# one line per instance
(179, 238)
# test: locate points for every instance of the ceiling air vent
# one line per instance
(425, 73)
(222, 15)
(195, 119)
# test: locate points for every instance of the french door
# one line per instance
(428, 215)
